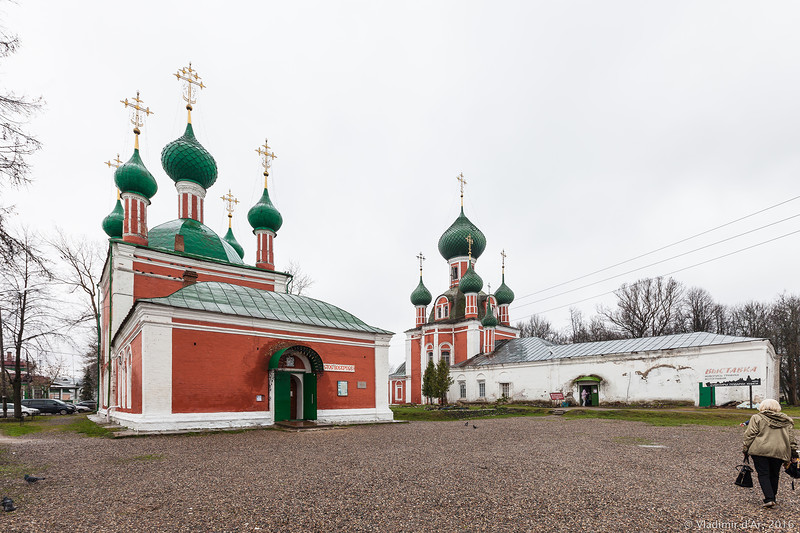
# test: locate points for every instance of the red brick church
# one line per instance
(193, 337)
(463, 322)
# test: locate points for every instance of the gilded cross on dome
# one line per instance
(266, 158)
(136, 114)
(503, 255)
(190, 79)
(229, 200)
(421, 259)
(116, 163)
(461, 179)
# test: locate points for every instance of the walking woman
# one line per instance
(769, 440)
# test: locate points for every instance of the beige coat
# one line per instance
(770, 434)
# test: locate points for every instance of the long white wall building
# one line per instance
(667, 368)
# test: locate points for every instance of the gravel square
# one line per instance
(513, 474)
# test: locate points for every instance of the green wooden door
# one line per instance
(707, 397)
(595, 395)
(309, 396)
(282, 396)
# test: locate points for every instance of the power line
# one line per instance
(668, 273)
(658, 262)
(662, 248)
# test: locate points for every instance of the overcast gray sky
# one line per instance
(589, 133)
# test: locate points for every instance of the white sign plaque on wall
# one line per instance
(333, 367)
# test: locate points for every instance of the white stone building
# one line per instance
(667, 368)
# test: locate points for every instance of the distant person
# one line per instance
(585, 397)
(769, 440)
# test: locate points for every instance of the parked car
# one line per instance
(50, 406)
(26, 411)
(81, 408)
(91, 404)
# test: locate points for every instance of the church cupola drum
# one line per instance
(421, 296)
(264, 217)
(134, 181)
(185, 160)
(453, 243)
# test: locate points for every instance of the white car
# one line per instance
(26, 411)
(81, 408)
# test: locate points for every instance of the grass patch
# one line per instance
(423, 413)
(141, 458)
(665, 418)
(14, 428)
(86, 427)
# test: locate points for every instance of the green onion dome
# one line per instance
(453, 242)
(470, 282)
(230, 239)
(185, 159)
(112, 224)
(264, 215)
(198, 240)
(489, 321)
(421, 295)
(504, 295)
(134, 177)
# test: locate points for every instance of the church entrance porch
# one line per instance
(295, 383)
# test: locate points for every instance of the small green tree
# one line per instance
(429, 381)
(443, 381)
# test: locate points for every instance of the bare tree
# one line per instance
(16, 145)
(751, 319)
(786, 338)
(538, 326)
(30, 313)
(699, 311)
(79, 271)
(593, 331)
(300, 280)
(647, 308)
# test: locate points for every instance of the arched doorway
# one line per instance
(589, 390)
(295, 371)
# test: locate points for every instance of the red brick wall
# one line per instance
(215, 371)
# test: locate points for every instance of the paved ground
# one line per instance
(516, 474)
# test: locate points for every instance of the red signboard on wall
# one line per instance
(556, 395)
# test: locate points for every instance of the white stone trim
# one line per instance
(344, 416)
(190, 187)
(189, 421)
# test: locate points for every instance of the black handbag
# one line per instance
(745, 477)
(793, 469)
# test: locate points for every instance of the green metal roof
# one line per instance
(453, 242)
(133, 176)
(230, 239)
(470, 281)
(198, 239)
(421, 295)
(185, 159)
(264, 215)
(504, 295)
(112, 224)
(236, 300)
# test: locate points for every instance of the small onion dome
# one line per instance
(453, 242)
(185, 159)
(230, 239)
(112, 224)
(264, 215)
(421, 295)
(470, 282)
(504, 295)
(489, 321)
(134, 177)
